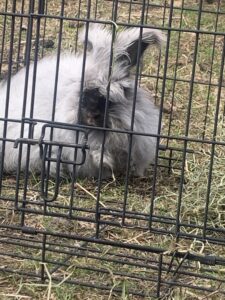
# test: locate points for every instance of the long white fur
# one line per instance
(67, 103)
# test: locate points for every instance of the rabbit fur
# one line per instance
(92, 110)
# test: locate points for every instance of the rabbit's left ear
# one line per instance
(129, 41)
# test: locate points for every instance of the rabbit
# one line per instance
(89, 109)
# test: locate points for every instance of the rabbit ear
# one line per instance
(98, 37)
(128, 41)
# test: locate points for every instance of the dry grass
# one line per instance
(195, 168)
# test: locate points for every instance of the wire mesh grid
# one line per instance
(148, 236)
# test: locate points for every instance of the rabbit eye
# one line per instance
(94, 100)
(96, 115)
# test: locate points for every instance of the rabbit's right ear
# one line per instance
(128, 41)
(98, 37)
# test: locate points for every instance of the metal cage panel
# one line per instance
(146, 236)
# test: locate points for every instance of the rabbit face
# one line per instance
(93, 106)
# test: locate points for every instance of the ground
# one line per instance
(184, 181)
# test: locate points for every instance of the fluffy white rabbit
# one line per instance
(92, 109)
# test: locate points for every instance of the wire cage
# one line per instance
(160, 235)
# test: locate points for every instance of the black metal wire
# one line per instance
(4, 134)
(187, 123)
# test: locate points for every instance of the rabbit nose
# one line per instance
(91, 121)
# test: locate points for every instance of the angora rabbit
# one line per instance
(92, 110)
